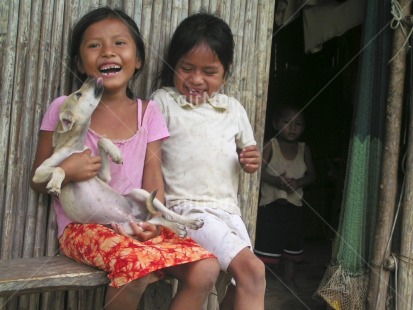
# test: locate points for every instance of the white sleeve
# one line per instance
(245, 136)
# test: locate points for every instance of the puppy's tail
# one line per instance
(149, 203)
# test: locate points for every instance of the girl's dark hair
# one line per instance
(192, 31)
(91, 18)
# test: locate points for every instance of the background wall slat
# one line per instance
(13, 204)
(9, 63)
(26, 212)
(145, 27)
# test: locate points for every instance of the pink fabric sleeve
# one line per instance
(157, 129)
(51, 117)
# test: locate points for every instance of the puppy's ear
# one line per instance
(66, 122)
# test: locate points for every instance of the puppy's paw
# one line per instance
(117, 157)
(104, 175)
(53, 189)
(195, 224)
(180, 230)
(115, 153)
(55, 182)
(111, 149)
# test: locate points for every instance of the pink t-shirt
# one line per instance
(128, 175)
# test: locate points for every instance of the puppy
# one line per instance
(94, 201)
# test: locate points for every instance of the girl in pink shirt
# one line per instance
(106, 43)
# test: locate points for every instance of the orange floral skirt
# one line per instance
(126, 259)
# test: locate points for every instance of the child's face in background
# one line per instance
(199, 74)
(290, 126)
(108, 50)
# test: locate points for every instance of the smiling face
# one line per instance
(108, 50)
(199, 74)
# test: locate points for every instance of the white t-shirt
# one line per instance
(200, 160)
(292, 168)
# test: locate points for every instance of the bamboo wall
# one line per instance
(33, 56)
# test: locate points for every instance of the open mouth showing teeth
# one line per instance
(109, 70)
(195, 92)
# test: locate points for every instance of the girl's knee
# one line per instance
(209, 265)
(254, 265)
(258, 270)
(206, 273)
(250, 269)
(260, 267)
(199, 276)
(257, 276)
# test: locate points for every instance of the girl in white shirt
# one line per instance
(211, 142)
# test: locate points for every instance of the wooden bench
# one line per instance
(43, 274)
(60, 273)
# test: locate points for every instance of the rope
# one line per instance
(403, 258)
(397, 22)
(395, 281)
(397, 12)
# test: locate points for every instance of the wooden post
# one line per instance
(404, 291)
(379, 277)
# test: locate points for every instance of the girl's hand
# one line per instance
(250, 159)
(143, 231)
(291, 185)
(285, 183)
(280, 182)
(81, 166)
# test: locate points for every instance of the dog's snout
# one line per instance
(98, 87)
(96, 84)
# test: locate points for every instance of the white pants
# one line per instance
(223, 234)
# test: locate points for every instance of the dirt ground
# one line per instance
(309, 273)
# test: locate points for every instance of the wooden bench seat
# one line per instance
(60, 273)
(42, 274)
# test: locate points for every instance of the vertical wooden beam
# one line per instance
(404, 293)
(379, 277)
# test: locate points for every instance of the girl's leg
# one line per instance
(127, 296)
(290, 262)
(289, 266)
(249, 274)
(196, 281)
(229, 299)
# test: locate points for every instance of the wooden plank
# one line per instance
(22, 276)
(8, 71)
(6, 92)
(404, 296)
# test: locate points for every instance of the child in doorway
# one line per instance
(211, 141)
(106, 43)
(287, 168)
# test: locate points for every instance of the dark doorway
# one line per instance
(323, 84)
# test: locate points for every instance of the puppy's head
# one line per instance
(79, 106)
